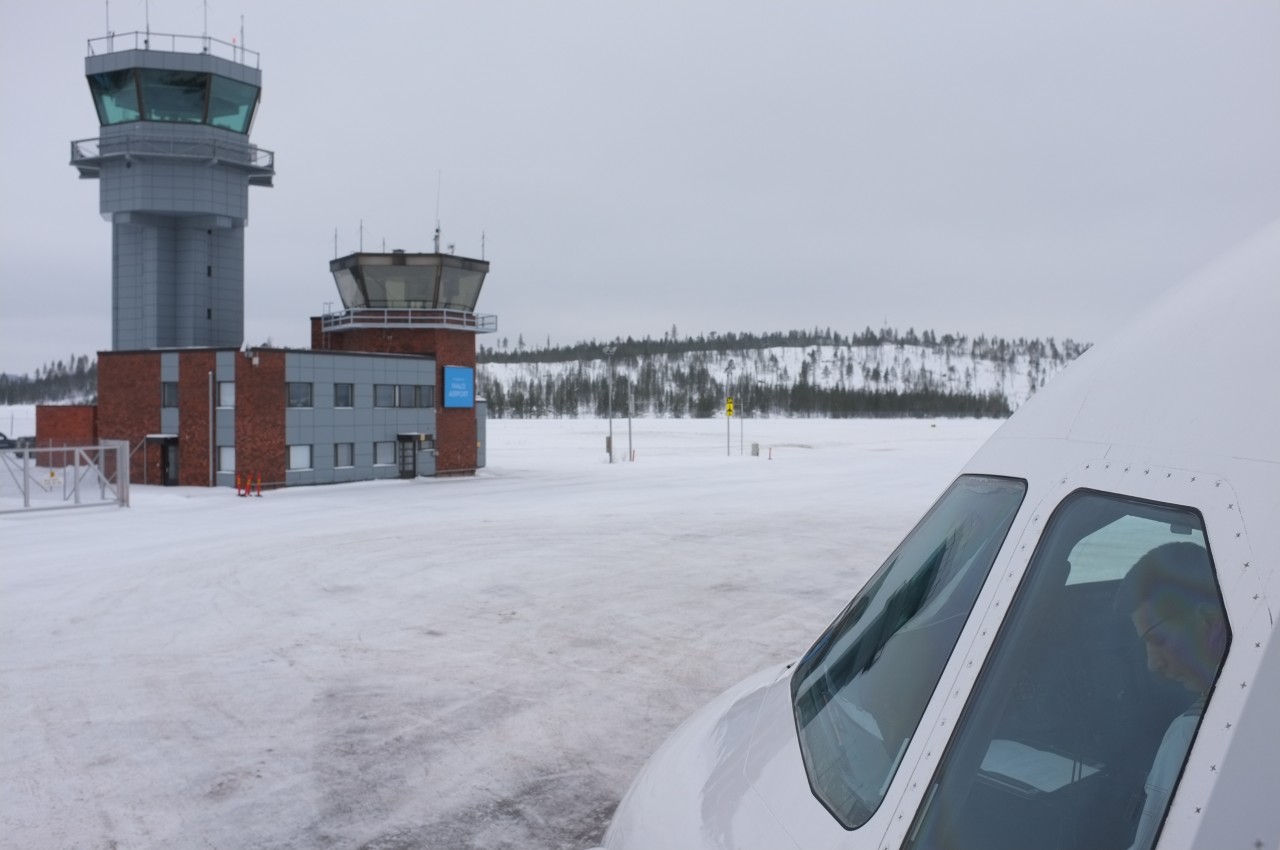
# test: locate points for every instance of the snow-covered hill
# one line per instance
(844, 378)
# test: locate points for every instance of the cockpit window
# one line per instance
(860, 691)
(1091, 697)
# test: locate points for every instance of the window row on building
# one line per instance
(301, 456)
(302, 394)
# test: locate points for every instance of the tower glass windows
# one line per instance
(184, 97)
(460, 288)
(115, 94)
(231, 104)
(409, 281)
(176, 96)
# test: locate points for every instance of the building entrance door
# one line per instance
(169, 463)
(408, 455)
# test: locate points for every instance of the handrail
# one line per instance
(404, 317)
(176, 44)
(221, 150)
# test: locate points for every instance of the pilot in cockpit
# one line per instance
(1173, 603)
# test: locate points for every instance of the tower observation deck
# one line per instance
(400, 290)
(174, 166)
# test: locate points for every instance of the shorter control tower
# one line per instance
(418, 304)
(174, 166)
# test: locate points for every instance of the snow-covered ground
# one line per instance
(480, 662)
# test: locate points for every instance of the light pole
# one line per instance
(728, 416)
(608, 352)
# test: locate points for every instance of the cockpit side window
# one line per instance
(1090, 699)
(860, 691)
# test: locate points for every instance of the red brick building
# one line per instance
(386, 390)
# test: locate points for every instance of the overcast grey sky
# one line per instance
(1013, 168)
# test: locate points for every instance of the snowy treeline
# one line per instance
(799, 373)
(74, 379)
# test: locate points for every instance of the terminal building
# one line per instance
(387, 388)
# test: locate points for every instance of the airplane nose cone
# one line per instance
(693, 793)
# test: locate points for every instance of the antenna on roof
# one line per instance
(361, 236)
(482, 244)
(204, 36)
(437, 239)
(335, 243)
(146, 43)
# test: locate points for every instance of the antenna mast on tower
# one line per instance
(437, 239)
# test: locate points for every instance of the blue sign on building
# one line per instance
(459, 386)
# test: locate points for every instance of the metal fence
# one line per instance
(64, 477)
(90, 152)
(406, 317)
(172, 43)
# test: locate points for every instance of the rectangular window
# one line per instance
(226, 458)
(384, 454)
(226, 394)
(408, 395)
(169, 394)
(344, 454)
(384, 395)
(299, 457)
(426, 396)
(299, 394)
(344, 395)
(172, 96)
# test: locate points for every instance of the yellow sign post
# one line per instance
(728, 407)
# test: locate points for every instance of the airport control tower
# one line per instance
(174, 166)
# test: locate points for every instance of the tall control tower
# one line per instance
(174, 166)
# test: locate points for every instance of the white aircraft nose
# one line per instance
(695, 791)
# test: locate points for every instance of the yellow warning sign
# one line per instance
(728, 407)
